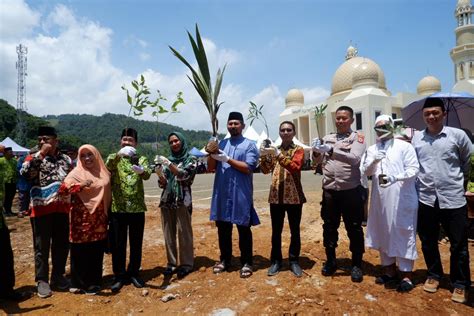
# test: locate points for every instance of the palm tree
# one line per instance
(201, 78)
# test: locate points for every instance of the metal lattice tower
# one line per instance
(21, 108)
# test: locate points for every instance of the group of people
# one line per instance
(97, 204)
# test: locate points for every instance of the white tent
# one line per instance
(261, 138)
(251, 134)
(17, 149)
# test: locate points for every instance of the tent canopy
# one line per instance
(197, 153)
(17, 149)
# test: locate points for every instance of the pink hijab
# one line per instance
(99, 175)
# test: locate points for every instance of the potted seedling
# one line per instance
(255, 113)
(201, 80)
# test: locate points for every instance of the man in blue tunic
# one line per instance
(232, 198)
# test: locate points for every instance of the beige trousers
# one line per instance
(178, 221)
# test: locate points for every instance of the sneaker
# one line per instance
(75, 290)
(431, 285)
(60, 282)
(92, 290)
(356, 274)
(274, 268)
(296, 269)
(459, 295)
(44, 290)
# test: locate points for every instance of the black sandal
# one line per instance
(219, 267)
(405, 286)
(246, 271)
(384, 279)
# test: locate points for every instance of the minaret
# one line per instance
(463, 53)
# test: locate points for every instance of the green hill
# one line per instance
(101, 131)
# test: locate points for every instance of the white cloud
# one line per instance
(70, 71)
(17, 19)
(144, 56)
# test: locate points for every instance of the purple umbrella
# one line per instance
(459, 108)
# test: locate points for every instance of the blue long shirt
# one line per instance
(444, 162)
(232, 198)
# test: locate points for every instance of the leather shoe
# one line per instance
(356, 274)
(116, 286)
(182, 273)
(274, 268)
(329, 268)
(296, 269)
(137, 282)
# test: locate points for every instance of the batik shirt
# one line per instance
(84, 226)
(177, 191)
(128, 195)
(9, 167)
(286, 177)
(46, 177)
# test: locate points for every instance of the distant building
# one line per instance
(359, 82)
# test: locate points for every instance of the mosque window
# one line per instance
(377, 114)
(358, 120)
(394, 116)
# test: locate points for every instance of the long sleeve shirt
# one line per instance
(286, 175)
(46, 176)
(128, 195)
(444, 163)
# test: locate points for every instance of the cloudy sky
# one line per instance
(80, 52)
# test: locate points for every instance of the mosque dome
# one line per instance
(428, 85)
(342, 79)
(463, 3)
(294, 98)
(366, 73)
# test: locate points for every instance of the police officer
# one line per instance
(340, 154)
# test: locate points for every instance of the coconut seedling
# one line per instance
(201, 80)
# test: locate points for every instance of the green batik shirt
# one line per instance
(128, 195)
(10, 172)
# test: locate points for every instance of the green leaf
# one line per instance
(129, 98)
(135, 85)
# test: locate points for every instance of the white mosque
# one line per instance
(360, 83)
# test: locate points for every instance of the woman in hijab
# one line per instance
(89, 187)
(176, 175)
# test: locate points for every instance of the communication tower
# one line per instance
(21, 66)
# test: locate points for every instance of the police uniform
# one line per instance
(343, 193)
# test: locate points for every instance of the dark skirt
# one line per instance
(86, 264)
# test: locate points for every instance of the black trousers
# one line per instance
(224, 231)
(7, 272)
(122, 224)
(454, 223)
(10, 191)
(86, 264)
(50, 232)
(277, 212)
(349, 204)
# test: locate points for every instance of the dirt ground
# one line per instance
(202, 292)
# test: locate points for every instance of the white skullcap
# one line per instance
(385, 118)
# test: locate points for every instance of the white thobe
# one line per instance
(391, 224)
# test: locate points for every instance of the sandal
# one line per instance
(384, 279)
(246, 271)
(219, 267)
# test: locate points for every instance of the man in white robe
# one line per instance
(391, 225)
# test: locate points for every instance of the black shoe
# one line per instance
(405, 286)
(274, 268)
(182, 273)
(117, 286)
(356, 274)
(296, 269)
(329, 268)
(137, 282)
(169, 271)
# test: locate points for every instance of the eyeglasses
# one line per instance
(383, 128)
(288, 130)
(44, 138)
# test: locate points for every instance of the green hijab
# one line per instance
(183, 153)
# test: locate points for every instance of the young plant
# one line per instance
(201, 78)
(255, 113)
(318, 114)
